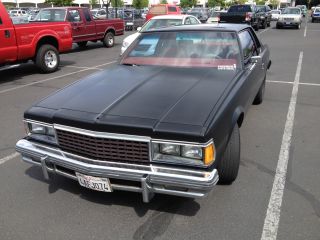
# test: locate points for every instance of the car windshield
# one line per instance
(205, 49)
(51, 15)
(291, 11)
(260, 8)
(276, 11)
(161, 23)
(317, 10)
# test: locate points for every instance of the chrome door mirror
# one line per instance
(255, 59)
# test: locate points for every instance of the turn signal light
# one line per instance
(209, 154)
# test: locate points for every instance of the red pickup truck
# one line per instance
(84, 26)
(40, 42)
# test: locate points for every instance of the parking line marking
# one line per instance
(305, 29)
(9, 157)
(271, 222)
(300, 83)
(52, 78)
(94, 68)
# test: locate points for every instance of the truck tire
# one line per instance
(312, 20)
(229, 165)
(47, 58)
(108, 40)
(269, 23)
(264, 25)
(260, 95)
(82, 44)
(256, 27)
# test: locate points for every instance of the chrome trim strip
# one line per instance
(102, 134)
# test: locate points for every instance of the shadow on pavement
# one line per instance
(160, 203)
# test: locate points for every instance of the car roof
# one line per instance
(204, 27)
(171, 16)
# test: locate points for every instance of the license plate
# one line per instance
(288, 23)
(94, 183)
(129, 24)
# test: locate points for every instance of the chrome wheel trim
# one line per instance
(50, 59)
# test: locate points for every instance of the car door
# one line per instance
(77, 24)
(254, 72)
(90, 25)
(8, 46)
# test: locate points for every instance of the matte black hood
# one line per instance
(151, 101)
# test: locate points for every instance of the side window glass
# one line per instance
(172, 9)
(193, 21)
(248, 46)
(87, 15)
(187, 21)
(0, 21)
(74, 16)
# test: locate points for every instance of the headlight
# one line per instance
(184, 154)
(41, 131)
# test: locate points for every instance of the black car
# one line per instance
(243, 13)
(264, 13)
(165, 120)
(132, 19)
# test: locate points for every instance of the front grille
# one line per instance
(104, 149)
(288, 19)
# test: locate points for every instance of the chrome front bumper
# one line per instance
(138, 178)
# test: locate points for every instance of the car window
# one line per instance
(0, 21)
(87, 15)
(193, 21)
(51, 15)
(240, 8)
(161, 23)
(74, 16)
(317, 10)
(249, 48)
(292, 11)
(208, 49)
(172, 9)
(187, 21)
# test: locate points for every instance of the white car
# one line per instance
(215, 17)
(160, 22)
(290, 17)
(275, 14)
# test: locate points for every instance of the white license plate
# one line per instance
(288, 23)
(94, 183)
(129, 24)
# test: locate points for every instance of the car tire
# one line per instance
(108, 40)
(260, 95)
(47, 58)
(312, 20)
(269, 23)
(256, 27)
(82, 44)
(228, 167)
(278, 26)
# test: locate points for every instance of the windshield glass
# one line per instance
(317, 10)
(291, 11)
(51, 15)
(161, 23)
(275, 11)
(207, 49)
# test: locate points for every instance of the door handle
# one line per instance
(6, 33)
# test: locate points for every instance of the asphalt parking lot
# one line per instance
(280, 148)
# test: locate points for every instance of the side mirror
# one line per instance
(255, 59)
(139, 28)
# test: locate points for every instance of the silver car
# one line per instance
(290, 17)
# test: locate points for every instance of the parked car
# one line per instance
(303, 9)
(162, 9)
(290, 17)
(244, 13)
(264, 13)
(132, 19)
(275, 15)
(165, 120)
(40, 42)
(160, 22)
(215, 17)
(19, 20)
(84, 27)
(99, 13)
(17, 13)
(201, 13)
(315, 14)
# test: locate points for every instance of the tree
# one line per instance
(163, 1)
(93, 2)
(188, 3)
(260, 2)
(117, 3)
(139, 4)
(214, 3)
(60, 3)
(274, 3)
